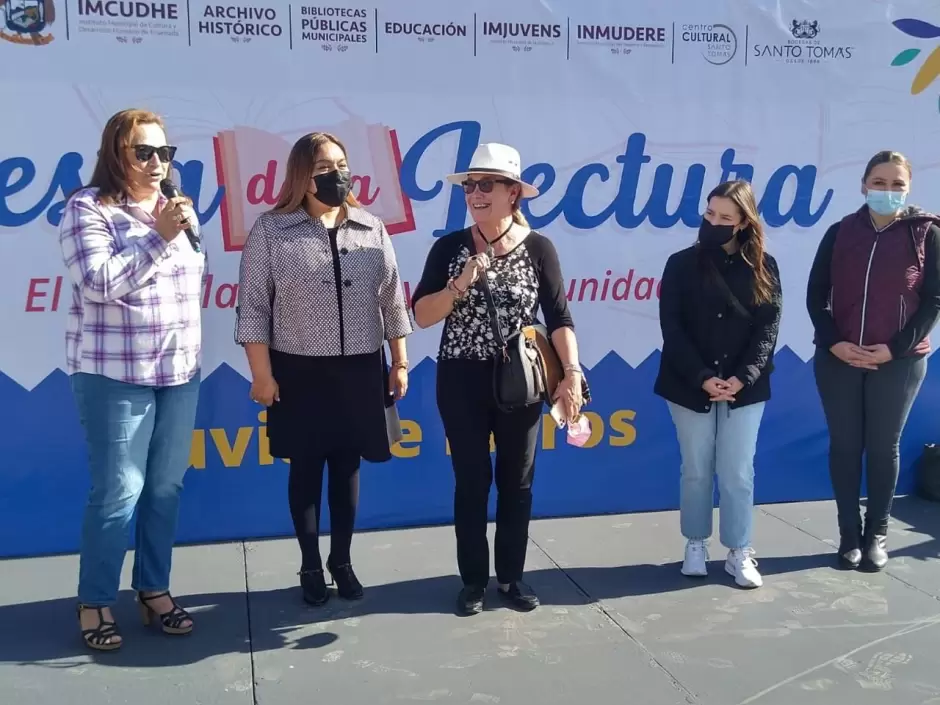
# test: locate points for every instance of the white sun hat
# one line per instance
(497, 160)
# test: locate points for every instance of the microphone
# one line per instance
(170, 190)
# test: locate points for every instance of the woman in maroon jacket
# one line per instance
(873, 296)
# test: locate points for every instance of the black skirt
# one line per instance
(332, 403)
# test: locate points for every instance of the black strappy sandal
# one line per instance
(170, 622)
(100, 638)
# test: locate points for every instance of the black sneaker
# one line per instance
(470, 600)
(314, 587)
(520, 596)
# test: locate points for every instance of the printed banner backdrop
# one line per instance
(626, 115)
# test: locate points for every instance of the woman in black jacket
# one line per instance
(719, 310)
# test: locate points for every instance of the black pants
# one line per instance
(305, 490)
(866, 411)
(468, 411)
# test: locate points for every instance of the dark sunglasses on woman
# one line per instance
(485, 185)
(143, 152)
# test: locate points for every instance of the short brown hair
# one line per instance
(110, 175)
(887, 157)
(300, 164)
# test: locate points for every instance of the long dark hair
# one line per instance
(751, 237)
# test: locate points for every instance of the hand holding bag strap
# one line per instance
(726, 290)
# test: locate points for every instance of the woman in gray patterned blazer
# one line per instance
(319, 294)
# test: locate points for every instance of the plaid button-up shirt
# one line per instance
(136, 299)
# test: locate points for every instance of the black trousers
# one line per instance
(305, 491)
(469, 414)
(866, 411)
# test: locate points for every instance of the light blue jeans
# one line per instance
(138, 440)
(721, 442)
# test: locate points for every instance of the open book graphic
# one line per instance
(250, 164)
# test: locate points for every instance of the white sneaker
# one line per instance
(743, 567)
(696, 554)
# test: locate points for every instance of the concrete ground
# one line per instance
(618, 624)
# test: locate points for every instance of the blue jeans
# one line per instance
(721, 442)
(138, 440)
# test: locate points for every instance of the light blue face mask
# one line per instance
(886, 202)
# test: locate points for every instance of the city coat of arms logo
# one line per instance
(27, 21)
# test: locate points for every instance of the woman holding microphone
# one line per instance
(133, 347)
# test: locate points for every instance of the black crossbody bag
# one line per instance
(527, 370)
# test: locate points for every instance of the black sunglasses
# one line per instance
(143, 152)
(485, 185)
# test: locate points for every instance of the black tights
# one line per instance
(305, 491)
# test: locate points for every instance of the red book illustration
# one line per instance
(250, 165)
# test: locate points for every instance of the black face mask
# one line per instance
(332, 187)
(714, 236)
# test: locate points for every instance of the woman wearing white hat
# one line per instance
(523, 274)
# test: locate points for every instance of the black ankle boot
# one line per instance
(347, 584)
(314, 587)
(850, 549)
(875, 555)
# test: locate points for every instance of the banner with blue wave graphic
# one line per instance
(626, 115)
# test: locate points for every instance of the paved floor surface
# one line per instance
(618, 624)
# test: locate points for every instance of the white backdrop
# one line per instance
(565, 102)
(795, 95)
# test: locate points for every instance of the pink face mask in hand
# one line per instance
(579, 431)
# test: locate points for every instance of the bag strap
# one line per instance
(726, 290)
(491, 311)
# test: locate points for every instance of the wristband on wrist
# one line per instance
(454, 289)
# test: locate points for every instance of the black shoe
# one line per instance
(520, 596)
(314, 587)
(347, 584)
(470, 600)
(875, 556)
(850, 549)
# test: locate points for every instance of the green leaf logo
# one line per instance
(930, 68)
(905, 57)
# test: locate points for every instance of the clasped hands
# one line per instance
(722, 389)
(865, 357)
